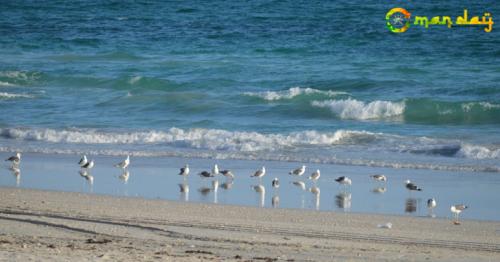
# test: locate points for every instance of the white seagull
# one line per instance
(124, 164)
(275, 183)
(260, 173)
(205, 174)
(89, 165)
(184, 171)
(456, 210)
(83, 161)
(380, 178)
(299, 171)
(431, 204)
(215, 170)
(315, 175)
(343, 180)
(412, 187)
(15, 159)
(227, 173)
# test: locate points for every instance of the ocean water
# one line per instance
(303, 81)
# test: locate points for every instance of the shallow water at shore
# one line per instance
(157, 178)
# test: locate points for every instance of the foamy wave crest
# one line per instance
(467, 107)
(6, 84)
(11, 96)
(19, 75)
(292, 92)
(478, 152)
(354, 109)
(211, 139)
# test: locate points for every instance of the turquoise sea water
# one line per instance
(305, 81)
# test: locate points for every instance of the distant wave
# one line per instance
(355, 109)
(11, 96)
(292, 92)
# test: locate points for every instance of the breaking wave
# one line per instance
(293, 92)
(4, 95)
(349, 147)
(355, 109)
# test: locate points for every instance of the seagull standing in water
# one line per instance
(215, 170)
(315, 176)
(380, 178)
(227, 173)
(456, 210)
(124, 164)
(16, 159)
(260, 173)
(412, 187)
(89, 165)
(275, 183)
(299, 171)
(431, 204)
(343, 180)
(184, 171)
(205, 174)
(83, 161)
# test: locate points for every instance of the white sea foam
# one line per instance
(292, 92)
(6, 84)
(134, 79)
(478, 152)
(467, 107)
(355, 109)
(211, 139)
(18, 75)
(11, 96)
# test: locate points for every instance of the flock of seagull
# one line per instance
(345, 181)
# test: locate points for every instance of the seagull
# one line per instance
(205, 174)
(299, 171)
(456, 210)
(259, 173)
(380, 178)
(343, 180)
(184, 171)
(89, 165)
(315, 175)
(15, 159)
(275, 183)
(410, 186)
(124, 164)
(83, 161)
(431, 204)
(227, 173)
(215, 170)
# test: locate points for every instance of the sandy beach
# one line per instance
(60, 226)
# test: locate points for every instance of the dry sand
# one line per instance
(60, 226)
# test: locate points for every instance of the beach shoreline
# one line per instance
(60, 226)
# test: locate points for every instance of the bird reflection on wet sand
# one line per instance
(343, 201)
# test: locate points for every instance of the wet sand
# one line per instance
(61, 226)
